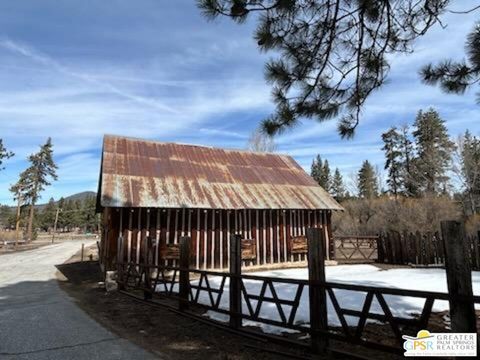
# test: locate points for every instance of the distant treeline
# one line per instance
(72, 214)
(429, 177)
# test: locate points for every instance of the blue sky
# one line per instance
(76, 70)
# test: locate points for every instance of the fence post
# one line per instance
(235, 281)
(317, 295)
(459, 278)
(184, 285)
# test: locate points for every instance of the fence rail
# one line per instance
(282, 302)
(209, 290)
(355, 248)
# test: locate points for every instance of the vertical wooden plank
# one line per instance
(176, 236)
(284, 232)
(129, 240)
(157, 236)
(317, 295)
(212, 240)
(277, 238)
(221, 237)
(139, 235)
(228, 235)
(120, 239)
(290, 230)
(245, 225)
(257, 236)
(235, 281)
(184, 281)
(264, 237)
(270, 228)
(167, 234)
(459, 278)
(205, 239)
(197, 242)
(304, 229)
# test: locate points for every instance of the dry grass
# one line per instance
(7, 235)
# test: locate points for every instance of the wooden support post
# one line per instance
(459, 278)
(317, 294)
(235, 281)
(55, 225)
(147, 294)
(120, 263)
(184, 290)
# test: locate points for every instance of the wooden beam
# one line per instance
(317, 295)
(459, 278)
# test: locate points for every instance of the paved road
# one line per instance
(39, 321)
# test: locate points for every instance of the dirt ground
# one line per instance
(167, 333)
(43, 239)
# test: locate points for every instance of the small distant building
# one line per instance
(157, 192)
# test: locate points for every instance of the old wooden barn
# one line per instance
(152, 193)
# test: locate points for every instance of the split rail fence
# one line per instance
(193, 290)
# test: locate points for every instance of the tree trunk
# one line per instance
(30, 223)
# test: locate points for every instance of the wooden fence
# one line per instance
(421, 249)
(355, 248)
(184, 285)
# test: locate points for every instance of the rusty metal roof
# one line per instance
(140, 173)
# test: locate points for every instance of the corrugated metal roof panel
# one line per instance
(140, 173)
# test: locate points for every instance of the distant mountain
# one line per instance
(78, 196)
(82, 195)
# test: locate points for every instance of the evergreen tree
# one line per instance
(338, 188)
(320, 171)
(408, 174)
(38, 175)
(326, 180)
(5, 215)
(47, 217)
(393, 160)
(367, 181)
(434, 152)
(332, 54)
(89, 216)
(316, 169)
(457, 76)
(4, 154)
(469, 170)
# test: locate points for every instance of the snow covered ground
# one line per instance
(402, 278)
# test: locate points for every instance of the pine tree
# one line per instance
(47, 217)
(38, 175)
(89, 216)
(326, 177)
(4, 154)
(457, 76)
(393, 160)
(408, 174)
(332, 54)
(338, 188)
(316, 169)
(367, 181)
(320, 171)
(469, 171)
(434, 152)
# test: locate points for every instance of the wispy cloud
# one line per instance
(48, 61)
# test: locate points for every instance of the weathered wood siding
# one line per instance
(209, 231)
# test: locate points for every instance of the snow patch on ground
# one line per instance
(404, 278)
